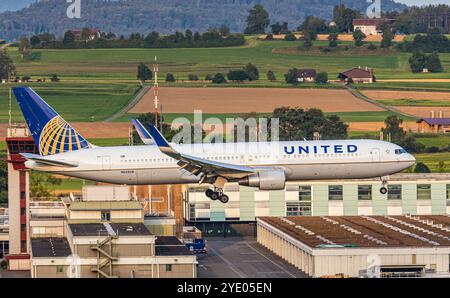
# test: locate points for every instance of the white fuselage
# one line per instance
(300, 160)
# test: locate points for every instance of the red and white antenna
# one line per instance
(155, 91)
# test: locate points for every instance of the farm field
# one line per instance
(413, 95)
(425, 111)
(246, 100)
(432, 160)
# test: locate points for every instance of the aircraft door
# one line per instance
(375, 153)
(106, 162)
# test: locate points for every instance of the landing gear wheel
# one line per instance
(209, 193)
(224, 199)
(383, 190)
(214, 196)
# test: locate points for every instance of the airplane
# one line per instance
(62, 150)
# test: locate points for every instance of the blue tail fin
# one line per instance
(51, 133)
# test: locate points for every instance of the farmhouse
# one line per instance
(93, 34)
(306, 75)
(434, 125)
(357, 75)
(368, 26)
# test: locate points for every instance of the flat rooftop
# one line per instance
(170, 246)
(105, 205)
(100, 229)
(365, 231)
(50, 248)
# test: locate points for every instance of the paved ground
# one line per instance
(242, 258)
(14, 274)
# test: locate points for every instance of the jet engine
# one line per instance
(265, 180)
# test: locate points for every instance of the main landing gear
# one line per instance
(217, 194)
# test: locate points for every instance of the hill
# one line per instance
(128, 16)
(12, 5)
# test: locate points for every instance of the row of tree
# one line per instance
(212, 38)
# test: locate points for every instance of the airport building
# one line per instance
(421, 194)
(360, 246)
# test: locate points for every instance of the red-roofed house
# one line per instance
(357, 75)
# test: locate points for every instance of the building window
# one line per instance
(298, 208)
(168, 267)
(106, 215)
(448, 194)
(304, 193)
(59, 269)
(365, 192)
(424, 191)
(335, 193)
(394, 192)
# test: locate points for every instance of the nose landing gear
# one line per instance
(383, 188)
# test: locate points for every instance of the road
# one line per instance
(242, 258)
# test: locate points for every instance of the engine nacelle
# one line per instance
(265, 180)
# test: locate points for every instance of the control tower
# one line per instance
(18, 141)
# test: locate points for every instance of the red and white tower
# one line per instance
(155, 91)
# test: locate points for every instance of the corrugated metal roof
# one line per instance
(106, 205)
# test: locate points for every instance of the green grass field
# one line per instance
(120, 64)
(75, 101)
(415, 102)
(432, 160)
(437, 140)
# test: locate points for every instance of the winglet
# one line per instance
(142, 132)
(162, 143)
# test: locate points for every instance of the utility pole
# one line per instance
(155, 90)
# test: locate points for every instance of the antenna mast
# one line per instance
(155, 90)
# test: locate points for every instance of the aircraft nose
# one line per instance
(411, 159)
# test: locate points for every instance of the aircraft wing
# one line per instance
(142, 132)
(197, 165)
(48, 162)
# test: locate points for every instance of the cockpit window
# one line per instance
(400, 151)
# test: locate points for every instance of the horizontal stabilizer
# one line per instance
(48, 162)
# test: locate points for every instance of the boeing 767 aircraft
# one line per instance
(62, 150)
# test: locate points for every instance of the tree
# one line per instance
(290, 37)
(321, 78)
(257, 20)
(343, 17)
(193, 77)
(69, 38)
(7, 68)
(388, 36)
(219, 79)
(292, 76)
(358, 37)
(297, 123)
(276, 28)
(54, 78)
(35, 40)
(151, 39)
(24, 49)
(333, 40)
(237, 75)
(252, 72)
(417, 61)
(433, 63)
(307, 40)
(421, 168)
(312, 23)
(41, 185)
(144, 73)
(224, 30)
(271, 76)
(170, 78)
(393, 129)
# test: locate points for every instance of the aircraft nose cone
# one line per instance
(411, 159)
